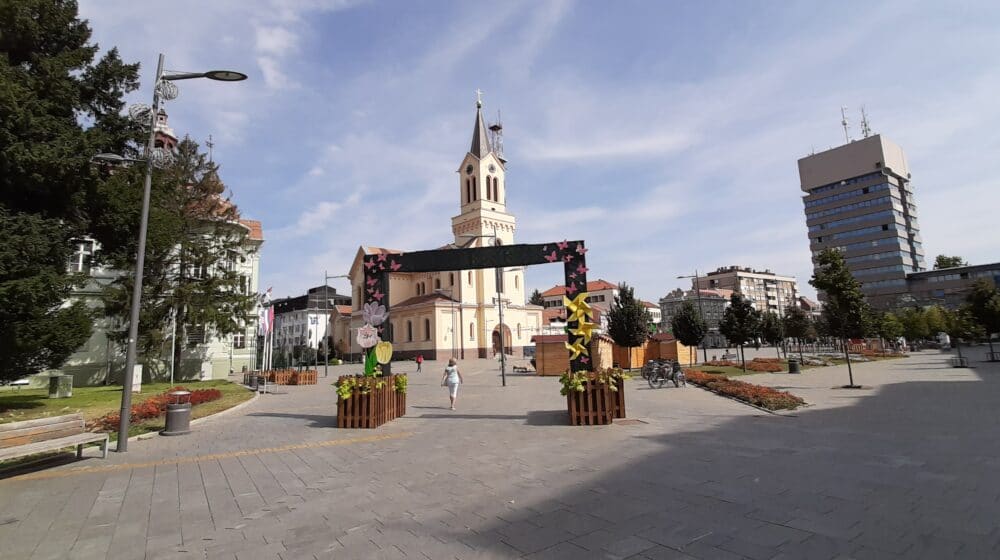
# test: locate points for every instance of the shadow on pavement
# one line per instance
(316, 420)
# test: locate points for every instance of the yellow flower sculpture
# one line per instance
(577, 348)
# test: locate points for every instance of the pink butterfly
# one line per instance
(584, 359)
(381, 257)
(571, 289)
(552, 258)
(572, 275)
(582, 269)
(394, 265)
(580, 248)
(563, 245)
(568, 258)
(371, 290)
(369, 264)
(378, 295)
(371, 281)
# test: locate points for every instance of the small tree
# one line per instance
(984, 305)
(740, 324)
(890, 327)
(689, 328)
(960, 325)
(846, 312)
(536, 298)
(628, 318)
(771, 331)
(914, 322)
(944, 261)
(797, 325)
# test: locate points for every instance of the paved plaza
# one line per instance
(905, 468)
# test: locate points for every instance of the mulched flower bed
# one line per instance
(757, 395)
(155, 406)
(770, 365)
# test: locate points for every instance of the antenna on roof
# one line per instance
(210, 145)
(866, 130)
(844, 123)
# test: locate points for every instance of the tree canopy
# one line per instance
(797, 323)
(536, 298)
(49, 85)
(688, 326)
(628, 319)
(771, 331)
(944, 261)
(845, 310)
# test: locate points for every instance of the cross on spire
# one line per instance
(479, 97)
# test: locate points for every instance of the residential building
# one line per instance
(947, 286)
(302, 321)
(655, 316)
(859, 201)
(766, 290)
(601, 294)
(440, 314)
(712, 302)
(812, 308)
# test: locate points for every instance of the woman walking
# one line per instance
(452, 378)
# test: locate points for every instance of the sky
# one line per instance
(665, 134)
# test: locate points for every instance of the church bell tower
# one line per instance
(482, 190)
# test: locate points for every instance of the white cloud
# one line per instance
(275, 40)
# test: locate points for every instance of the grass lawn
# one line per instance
(94, 402)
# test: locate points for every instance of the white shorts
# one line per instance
(453, 389)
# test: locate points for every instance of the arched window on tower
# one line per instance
(475, 195)
(472, 331)
(437, 283)
(468, 191)
(489, 188)
(496, 190)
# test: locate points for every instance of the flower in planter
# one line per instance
(367, 336)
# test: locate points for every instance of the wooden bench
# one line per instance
(19, 439)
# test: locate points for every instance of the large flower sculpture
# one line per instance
(374, 313)
(367, 336)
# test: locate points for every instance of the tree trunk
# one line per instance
(181, 335)
(850, 373)
(801, 359)
(743, 359)
(691, 352)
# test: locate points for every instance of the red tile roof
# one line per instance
(256, 230)
(344, 309)
(551, 313)
(436, 296)
(594, 286)
(652, 305)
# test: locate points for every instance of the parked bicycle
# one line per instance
(657, 373)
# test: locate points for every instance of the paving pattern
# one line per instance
(906, 467)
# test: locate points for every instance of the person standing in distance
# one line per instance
(420, 361)
(452, 379)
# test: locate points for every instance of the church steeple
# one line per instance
(480, 140)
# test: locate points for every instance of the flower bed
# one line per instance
(722, 363)
(764, 397)
(766, 364)
(154, 406)
(594, 398)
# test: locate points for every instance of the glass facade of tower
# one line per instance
(859, 200)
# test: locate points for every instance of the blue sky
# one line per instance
(664, 134)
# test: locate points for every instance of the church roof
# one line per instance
(480, 141)
(416, 300)
(594, 286)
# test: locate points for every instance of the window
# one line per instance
(475, 195)
(468, 191)
(489, 188)
(437, 283)
(409, 331)
(472, 331)
(82, 254)
(517, 282)
(470, 277)
(239, 340)
(496, 189)
(519, 330)
(451, 278)
(427, 329)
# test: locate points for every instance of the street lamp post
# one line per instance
(697, 291)
(326, 307)
(161, 86)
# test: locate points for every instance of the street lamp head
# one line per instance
(225, 75)
(108, 158)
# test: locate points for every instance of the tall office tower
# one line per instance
(859, 200)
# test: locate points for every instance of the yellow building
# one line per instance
(456, 313)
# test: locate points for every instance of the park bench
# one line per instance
(730, 356)
(520, 369)
(19, 439)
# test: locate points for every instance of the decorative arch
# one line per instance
(508, 345)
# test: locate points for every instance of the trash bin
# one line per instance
(60, 386)
(793, 366)
(178, 414)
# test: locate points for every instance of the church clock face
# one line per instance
(468, 169)
(493, 168)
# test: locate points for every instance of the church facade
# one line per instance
(455, 313)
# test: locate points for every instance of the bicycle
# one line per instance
(657, 376)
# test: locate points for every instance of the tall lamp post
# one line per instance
(326, 307)
(697, 291)
(162, 88)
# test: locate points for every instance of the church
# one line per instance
(456, 313)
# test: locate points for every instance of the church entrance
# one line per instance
(507, 345)
(572, 254)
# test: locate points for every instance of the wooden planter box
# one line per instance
(279, 376)
(597, 404)
(371, 409)
(304, 378)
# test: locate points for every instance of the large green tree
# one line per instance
(845, 310)
(628, 319)
(740, 324)
(193, 254)
(984, 304)
(771, 330)
(50, 85)
(889, 327)
(914, 322)
(798, 325)
(689, 327)
(944, 261)
(536, 298)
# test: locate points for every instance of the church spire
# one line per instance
(480, 140)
